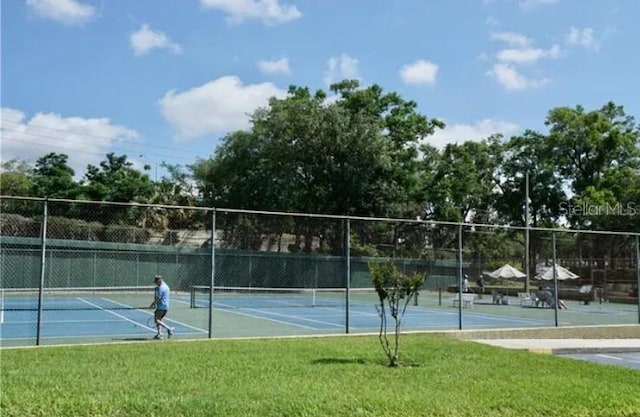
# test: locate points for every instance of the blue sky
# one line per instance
(165, 80)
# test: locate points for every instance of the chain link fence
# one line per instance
(73, 271)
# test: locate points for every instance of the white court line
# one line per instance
(81, 336)
(117, 315)
(61, 321)
(485, 316)
(231, 309)
(418, 312)
(602, 355)
(295, 317)
(609, 357)
(151, 314)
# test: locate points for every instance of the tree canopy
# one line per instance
(362, 151)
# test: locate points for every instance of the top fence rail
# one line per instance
(326, 216)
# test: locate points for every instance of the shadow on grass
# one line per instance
(340, 361)
(359, 361)
(134, 339)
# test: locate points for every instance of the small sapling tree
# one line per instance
(395, 291)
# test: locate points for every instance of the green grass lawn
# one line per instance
(338, 376)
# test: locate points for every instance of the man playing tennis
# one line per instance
(161, 304)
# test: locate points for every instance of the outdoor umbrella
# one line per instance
(508, 272)
(561, 273)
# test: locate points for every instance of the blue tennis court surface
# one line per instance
(123, 316)
(329, 314)
(90, 317)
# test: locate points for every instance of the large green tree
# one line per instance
(16, 178)
(588, 146)
(463, 181)
(54, 178)
(115, 179)
(355, 155)
(528, 155)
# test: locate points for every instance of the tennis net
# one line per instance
(81, 298)
(257, 297)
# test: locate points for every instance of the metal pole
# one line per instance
(213, 271)
(460, 277)
(95, 266)
(638, 273)
(43, 257)
(527, 221)
(347, 255)
(555, 279)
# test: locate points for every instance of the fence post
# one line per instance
(460, 277)
(638, 273)
(347, 254)
(213, 270)
(43, 262)
(555, 278)
(527, 221)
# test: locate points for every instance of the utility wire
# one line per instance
(74, 132)
(128, 150)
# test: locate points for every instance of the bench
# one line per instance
(467, 300)
(499, 297)
(526, 300)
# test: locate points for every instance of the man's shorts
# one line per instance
(159, 314)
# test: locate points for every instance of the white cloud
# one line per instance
(509, 78)
(521, 52)
(512, 38)
(583, 37)
(341, 68)
(419, 72)
(146, 39)
(217, 107)
(68, 12)
(270, 12)
(459, 133)
(527, 55)
(276, 66)
(85, 141)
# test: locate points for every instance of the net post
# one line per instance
(213, 270)
(347, 254)
(43, 262)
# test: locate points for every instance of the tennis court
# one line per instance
(122, 314)
(92, 314)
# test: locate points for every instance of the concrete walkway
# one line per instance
(567, 346)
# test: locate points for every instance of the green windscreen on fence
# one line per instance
(101, 264)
